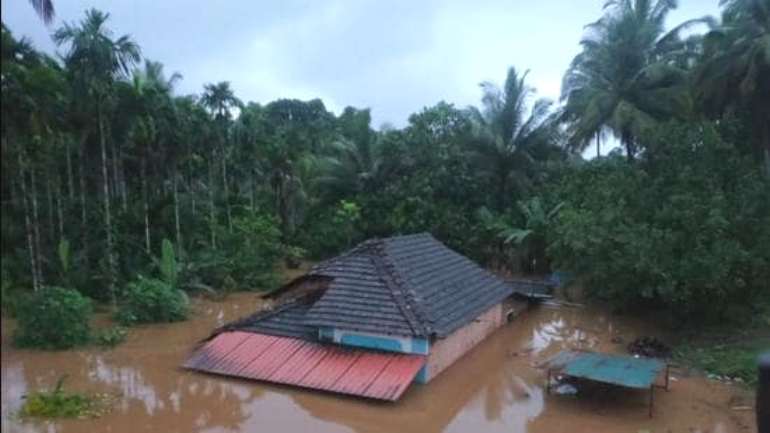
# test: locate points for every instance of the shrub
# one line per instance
(246, 257)
(110, 337)
(53, 318)
(168, 266)
(59, 403)
(149, 300)
(10, 296)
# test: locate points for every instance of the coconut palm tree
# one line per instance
(220, 99)
(508, 137)
(354, 161)
(44, 9)
(735, 72)
(630, 74)
(96, 60)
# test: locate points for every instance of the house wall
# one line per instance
(445, 351)
(442, 352)
(391, 343)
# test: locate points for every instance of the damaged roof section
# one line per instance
(406, 285)
(287, 320)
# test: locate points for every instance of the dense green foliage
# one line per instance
(688, 227)
(149, 300)
(104, 165)
(53, 318)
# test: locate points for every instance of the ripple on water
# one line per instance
(496, 387)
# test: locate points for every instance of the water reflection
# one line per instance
(496, 387)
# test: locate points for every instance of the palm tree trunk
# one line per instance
(107, 216)
(598, 144)
(70, 183)
(253, 192)
(59, 210)
(502, 189)
(115, 184)
(176, 212)
(82, 184)
(628, 142)
(122, 182)
(191, 188)
(36, 224)
(764, 142)
(28, 224)
(51, 225)
(226, 191)
(212, 210)
(146, 206)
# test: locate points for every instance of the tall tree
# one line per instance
(95, 59)
(508, 136)
(630, 74)
(44, 9)
(735, 72)
(220, 99)
(354, 163)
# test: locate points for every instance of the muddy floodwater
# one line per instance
(495, 388)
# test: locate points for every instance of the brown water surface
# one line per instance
(495, 388)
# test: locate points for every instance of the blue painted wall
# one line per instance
(388, 343)
(371, 342)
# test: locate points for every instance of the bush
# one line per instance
(110, 337)
(149, 300)
(736, 361)
(53, 318)
(246, 257)
(59, 403)
(10, 296)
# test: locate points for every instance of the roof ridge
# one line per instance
(402, 293)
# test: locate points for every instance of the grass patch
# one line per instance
(734, 361)
(59, 403)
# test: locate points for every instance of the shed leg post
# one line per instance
(667, 376)
(652, 393)
(548, 383)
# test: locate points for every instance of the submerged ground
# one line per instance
(497, 387)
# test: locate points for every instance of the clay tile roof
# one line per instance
(405, 285)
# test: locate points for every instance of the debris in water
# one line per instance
(649, 347)
(525, 351)
(565, 389)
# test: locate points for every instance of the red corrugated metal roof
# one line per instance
(307, 364)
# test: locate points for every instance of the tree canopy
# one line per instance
(105, 165)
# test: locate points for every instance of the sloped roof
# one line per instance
(308, 364)
(286, 320)
(405, 285)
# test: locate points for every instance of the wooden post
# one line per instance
(763, 392)
(652, 394)
(667, 375)
(548, 383)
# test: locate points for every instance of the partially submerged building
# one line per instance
(368, 322)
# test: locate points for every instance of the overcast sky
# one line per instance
(393, 56)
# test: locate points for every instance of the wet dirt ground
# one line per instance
(494, 388)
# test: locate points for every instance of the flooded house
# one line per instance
(369, 322)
